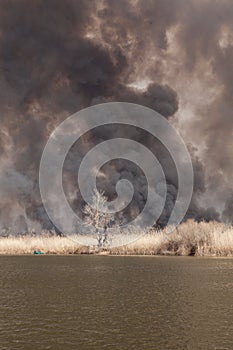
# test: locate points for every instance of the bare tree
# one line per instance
(96, 216)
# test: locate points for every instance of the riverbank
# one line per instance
(189, 239)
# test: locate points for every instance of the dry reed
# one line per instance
(190, 238)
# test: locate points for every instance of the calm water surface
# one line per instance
(101, 302)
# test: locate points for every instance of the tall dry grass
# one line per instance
(190, 238)
(48, 245)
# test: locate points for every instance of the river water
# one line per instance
(103, 302)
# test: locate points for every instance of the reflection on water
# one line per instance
(101, 302)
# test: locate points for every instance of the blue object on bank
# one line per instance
(38, 252)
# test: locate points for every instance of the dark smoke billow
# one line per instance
(57, 57)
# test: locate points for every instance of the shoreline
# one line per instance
(195, 257)
(202, 239)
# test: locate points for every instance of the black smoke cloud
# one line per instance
(57, 57)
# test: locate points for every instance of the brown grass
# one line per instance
(190, 238)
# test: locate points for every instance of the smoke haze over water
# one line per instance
(57, 57)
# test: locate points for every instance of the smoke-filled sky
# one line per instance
(57, 57)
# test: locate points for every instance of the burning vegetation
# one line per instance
(57, 57)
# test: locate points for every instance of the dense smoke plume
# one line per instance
(57, 57)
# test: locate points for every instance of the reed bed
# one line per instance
(48, 245)
(189, 239)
